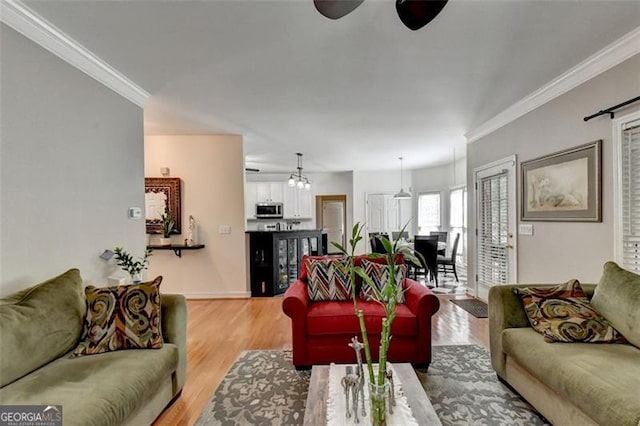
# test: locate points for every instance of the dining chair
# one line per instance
(376, 244)
(442, 237)
(395, 235)
(449, 262)
(427, 246)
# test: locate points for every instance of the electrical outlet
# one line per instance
(224, 229)
(526, 229)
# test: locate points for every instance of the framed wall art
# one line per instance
(161, 196)
(564, 186)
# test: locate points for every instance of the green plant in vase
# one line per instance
(388, 297)
(131, 266)
(168, 226)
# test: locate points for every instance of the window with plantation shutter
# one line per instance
(493, 229)
(630, 195)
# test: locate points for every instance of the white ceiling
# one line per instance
(351, 94)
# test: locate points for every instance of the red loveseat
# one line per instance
(321, 331)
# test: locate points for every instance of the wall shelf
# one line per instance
(177, 248)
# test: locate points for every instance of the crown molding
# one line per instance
(27, 22)
(612, 55)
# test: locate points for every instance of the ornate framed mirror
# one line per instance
(161, 196)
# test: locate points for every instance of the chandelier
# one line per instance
(297, 179)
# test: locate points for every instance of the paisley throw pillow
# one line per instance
(564, 314)
(121, 317)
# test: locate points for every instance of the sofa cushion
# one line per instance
(39, 324)
(328, 279)
(617, 298)
(122, 317)
(110, 385)
(603, 380)
(563, 314)
(332, 318)
(379, 274)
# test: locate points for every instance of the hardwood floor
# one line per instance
(218, 330)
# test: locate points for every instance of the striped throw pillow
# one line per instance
(379, 274)
(328, 279)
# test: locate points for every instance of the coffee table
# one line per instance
(316, 410)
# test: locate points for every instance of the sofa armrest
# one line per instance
(295, 305)
(420, 299)
(174, 330)
(423, 304)
(296, 300)
(588, 289)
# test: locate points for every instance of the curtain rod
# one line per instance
(611, 109)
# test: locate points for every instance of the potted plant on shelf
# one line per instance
(388, 297)
(133, 267)
(168, 226)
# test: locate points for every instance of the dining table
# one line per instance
(442, 246)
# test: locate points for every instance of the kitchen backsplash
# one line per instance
(267, 224)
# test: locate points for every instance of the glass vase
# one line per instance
(136, 278)
(378, 396)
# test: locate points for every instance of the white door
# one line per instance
(375, 213)
(495, 225)
(333, 222)
(392, 213)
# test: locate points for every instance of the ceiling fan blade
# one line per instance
(335, 9)
(415, 14)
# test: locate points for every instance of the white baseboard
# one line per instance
(219, 295)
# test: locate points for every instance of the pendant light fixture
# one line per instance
(297, 179)
(401, 195)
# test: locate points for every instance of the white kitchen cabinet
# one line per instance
(250, 200)
(298, 203)
(305, 204)
(269, 192)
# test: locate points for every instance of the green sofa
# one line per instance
(573, 383)
(40, 326)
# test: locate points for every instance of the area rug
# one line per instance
(263, 387)
(475, 307)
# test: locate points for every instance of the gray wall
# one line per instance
(561, 250)
(71, 165)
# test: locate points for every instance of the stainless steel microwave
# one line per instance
(269, 211)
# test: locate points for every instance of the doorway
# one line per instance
(496, 246)
(331, 214)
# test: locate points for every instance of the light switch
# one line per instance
(135, 212)
(224, 229)
(526, 229)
